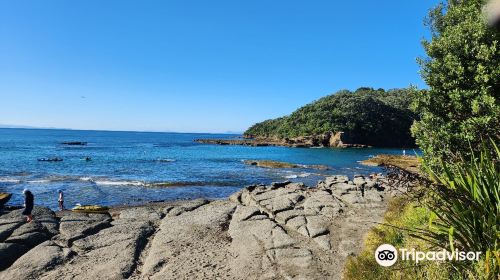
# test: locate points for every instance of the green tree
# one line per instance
(462, 69)
(371, 117)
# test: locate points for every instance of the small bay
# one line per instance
(131, 168)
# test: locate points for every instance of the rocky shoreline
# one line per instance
(410, 164)
(281, 231)
(330, 139)
(280, 164)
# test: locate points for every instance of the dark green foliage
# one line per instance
(462, 70)
(466, 204)
(371, 117)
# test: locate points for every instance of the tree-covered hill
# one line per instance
(370, 117)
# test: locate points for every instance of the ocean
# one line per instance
(131, 168)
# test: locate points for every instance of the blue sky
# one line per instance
(196, 66)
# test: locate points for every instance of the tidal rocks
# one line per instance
(74, 143)
(191, 244)
(78, 225)
(186, 207)
(330, 139)
(38, 260)
(262, 247)
(279, 164)
(409, 164)
(281, 231)
(247, 142)
(111, 253)
(270, 164)
(18, 237)
(10, 252)
(142, 213)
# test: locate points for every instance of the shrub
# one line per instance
(462, 71)
(466, 207)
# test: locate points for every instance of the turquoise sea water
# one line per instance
(126, 165)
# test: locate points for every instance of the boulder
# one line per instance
(29, 239)
(6, 229)
(9, 253)
(37, 261)
(111, 253)
(141, 213)
(259, 246)
(194, 244)
(359, 180)
(187, 206)
(74, 226)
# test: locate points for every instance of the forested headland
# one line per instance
(367, 116)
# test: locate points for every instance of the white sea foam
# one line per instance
(299, 175)
(10, 180)
(165, 160)
(39, 181)
(86, 179)
(117, 183)
(303, 175)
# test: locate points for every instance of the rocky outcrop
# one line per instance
(330, 139)
(409, 164)
(74, 143)
(17, 237)
(242, 142)
(282, 231)
(279, 164)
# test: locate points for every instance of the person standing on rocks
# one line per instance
(61, 200)
(29, 202)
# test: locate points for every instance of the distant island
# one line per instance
(366, 117)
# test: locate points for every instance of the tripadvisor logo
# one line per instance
(387, 255)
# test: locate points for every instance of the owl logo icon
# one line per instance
(386, 255)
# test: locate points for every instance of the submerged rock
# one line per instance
(279, 164)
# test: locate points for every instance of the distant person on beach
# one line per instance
(404, 153)
(29, 202)
(61, 200)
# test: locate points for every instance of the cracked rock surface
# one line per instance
(282, 231)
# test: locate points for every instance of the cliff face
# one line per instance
(329, 139)
(366, 117)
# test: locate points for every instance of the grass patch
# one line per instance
(400, 214)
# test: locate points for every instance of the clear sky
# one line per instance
(196, 66)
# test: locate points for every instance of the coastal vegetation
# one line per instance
(461, 109)
(399, 219)
(465, 203)
(367, 116)
(458, 130)
(458, 209)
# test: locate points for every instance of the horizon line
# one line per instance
(111, 130)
